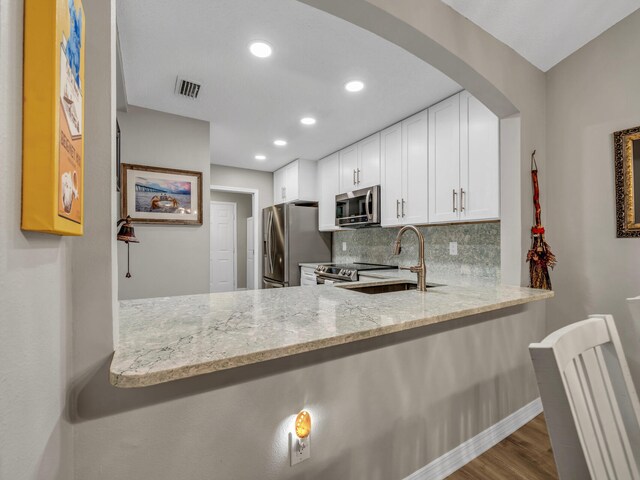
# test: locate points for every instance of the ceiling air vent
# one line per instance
(187, 88)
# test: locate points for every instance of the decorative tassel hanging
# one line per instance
(540, 256)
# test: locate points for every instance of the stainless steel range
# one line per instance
(326, 274)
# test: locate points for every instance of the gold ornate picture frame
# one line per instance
(626, 149)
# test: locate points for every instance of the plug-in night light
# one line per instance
(303, 424)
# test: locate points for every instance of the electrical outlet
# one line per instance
(453, 248)
(300, 449)
(344, 246)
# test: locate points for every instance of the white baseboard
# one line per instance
(451, 461)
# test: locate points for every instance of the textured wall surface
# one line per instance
(35, 301)
(478, 248)
(590, 95)
(170, 259)
(426, 387)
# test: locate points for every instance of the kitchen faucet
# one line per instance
(421, 268)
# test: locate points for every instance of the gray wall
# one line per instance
(243, 211)
(35, 300)
(478, 249)
(243, 178)
(421, 387)
(170, 259)
(590, 95)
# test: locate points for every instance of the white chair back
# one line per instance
(634, 307)
(590, 404)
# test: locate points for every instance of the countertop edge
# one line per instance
(122, 380)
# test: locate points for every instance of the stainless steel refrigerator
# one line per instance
(291, 237)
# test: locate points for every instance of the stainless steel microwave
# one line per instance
(359, 208)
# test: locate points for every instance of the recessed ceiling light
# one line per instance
(260, 157)
(354, 86)
(279, 143)
(260, 49)
(308, 121)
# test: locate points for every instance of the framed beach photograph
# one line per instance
(161, 195)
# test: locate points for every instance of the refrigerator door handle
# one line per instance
(270, 238)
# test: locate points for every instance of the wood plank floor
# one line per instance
(526, 454)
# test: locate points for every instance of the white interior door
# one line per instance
(223, 247)
(250, 255)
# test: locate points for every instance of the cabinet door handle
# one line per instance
(455, 207)
(354, 177)
(397, 208)
(358, 176)
(403, 202)
(462, 192)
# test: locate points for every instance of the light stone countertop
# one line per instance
(170, 338)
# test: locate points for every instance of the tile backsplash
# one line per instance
(478, 248)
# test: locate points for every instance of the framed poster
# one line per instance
(161, 195)
(53, 120)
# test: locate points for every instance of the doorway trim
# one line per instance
(255, 203)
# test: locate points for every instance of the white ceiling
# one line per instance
(251, 101)
(545, 31)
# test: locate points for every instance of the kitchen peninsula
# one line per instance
(170, 338)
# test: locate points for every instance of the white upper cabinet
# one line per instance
(438, 166)
(414, 206)
(404, 171)
(279, 181)
(292, 189)
(348, 168)
(479, 161)
(444, 160)
(391, 175)
(368, 170)
(360, 164)
(328, 188)
(464, 161)
(295, 182)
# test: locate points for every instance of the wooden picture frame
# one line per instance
(627, 182)
(161, 195)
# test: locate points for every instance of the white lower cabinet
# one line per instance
(404, 172)
(328, 188)
(307, 277)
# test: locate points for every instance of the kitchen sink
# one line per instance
(387, 288)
